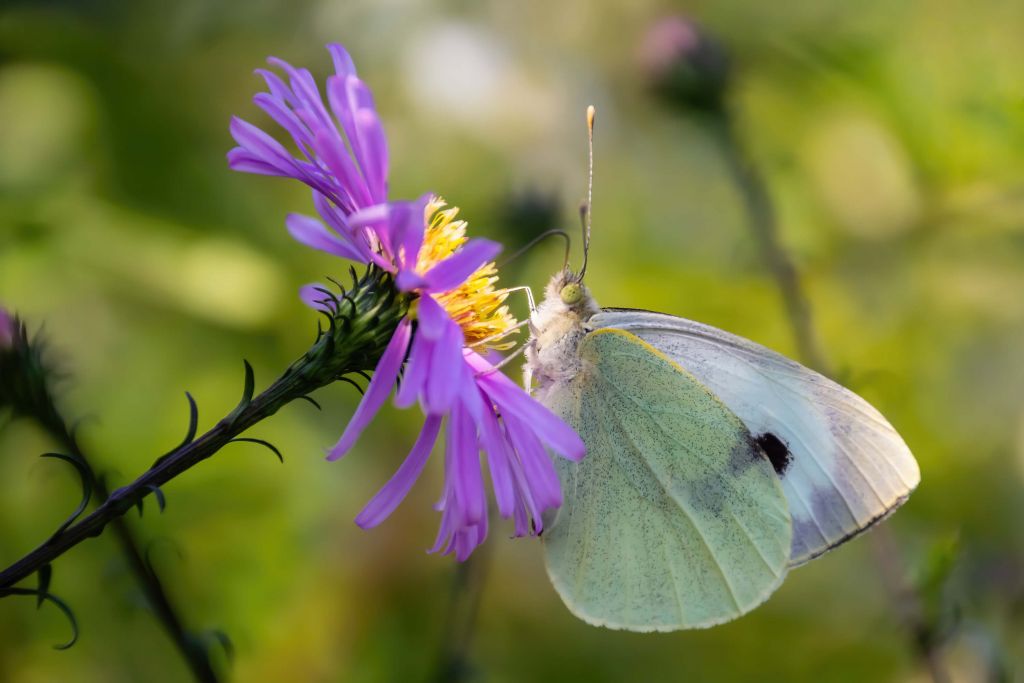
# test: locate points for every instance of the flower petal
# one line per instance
(446, 379)
(453, 271)
(395, 491)
(312, 233)
(377, 392)
(498, 457)
(314, 296)
(343, 64)
(433, 319)
(261, 146)
(417, 368)
(512, 399)
(465, 475)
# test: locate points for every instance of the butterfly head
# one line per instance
(567, 295)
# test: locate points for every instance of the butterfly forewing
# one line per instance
(675, 519)
(842, 465)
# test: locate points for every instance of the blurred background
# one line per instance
(891, 139)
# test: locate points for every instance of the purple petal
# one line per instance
(395, 491)
(467, 480)
(277, 87)
(416, 372)
(446, 366)
(514, 401)
(541, 477)
(244, 161)
(380, 386)
(406, 224)
(284, 117)
(433, 319)
(332, 150)
(261, 145)
(374, 160)
(314, 295)
(312, 233)
(498, 457)
(343, 64)
(453, 271)
(410, 281)
(375, 220)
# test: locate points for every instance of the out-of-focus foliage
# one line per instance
(892, 137)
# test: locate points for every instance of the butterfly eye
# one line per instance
(571, 294)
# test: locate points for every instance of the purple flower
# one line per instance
(7, 329)
(456, 311)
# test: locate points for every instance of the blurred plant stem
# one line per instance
(361, 322)
(167, 614)
(762, 220)
(460, 623)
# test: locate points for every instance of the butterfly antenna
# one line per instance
(585, 208)
(534, 242)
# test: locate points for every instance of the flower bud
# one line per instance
(685, 65)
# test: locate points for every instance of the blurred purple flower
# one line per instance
(7, 329)
(456, 311)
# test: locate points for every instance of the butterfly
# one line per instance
(714, 465)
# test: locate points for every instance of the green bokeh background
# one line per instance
(892, 138)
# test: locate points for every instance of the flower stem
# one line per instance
(763, 226)
(159, 601)
(762, 222)
(460, 623)
(361, 322)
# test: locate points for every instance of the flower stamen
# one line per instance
(476, 305)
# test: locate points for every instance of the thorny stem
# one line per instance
(160, 602)
(763, 226)
(762, 221)
(360, 327)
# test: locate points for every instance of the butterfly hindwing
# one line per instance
(675, 519)
(842, 465)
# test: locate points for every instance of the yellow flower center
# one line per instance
(475, 305)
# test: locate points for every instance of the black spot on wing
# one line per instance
(777, 451)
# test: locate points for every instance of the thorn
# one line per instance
(193, 419)
(42, 596)
(86, 478)
(250, 385)
(315, 404)
(261, 442)
(45, 573)
(161, 501)
(350, 381)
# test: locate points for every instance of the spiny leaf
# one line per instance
(85, 475)
(250, 385)
(190, 435)
(42, 596)
(352, 382)
(44, 574)
(311, 400)
(160, 500)
(261, 442)
(193, 421)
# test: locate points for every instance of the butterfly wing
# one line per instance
(675, 519)
(843, 466)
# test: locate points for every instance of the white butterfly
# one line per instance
(714, 464)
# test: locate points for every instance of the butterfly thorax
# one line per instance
(558, 326)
